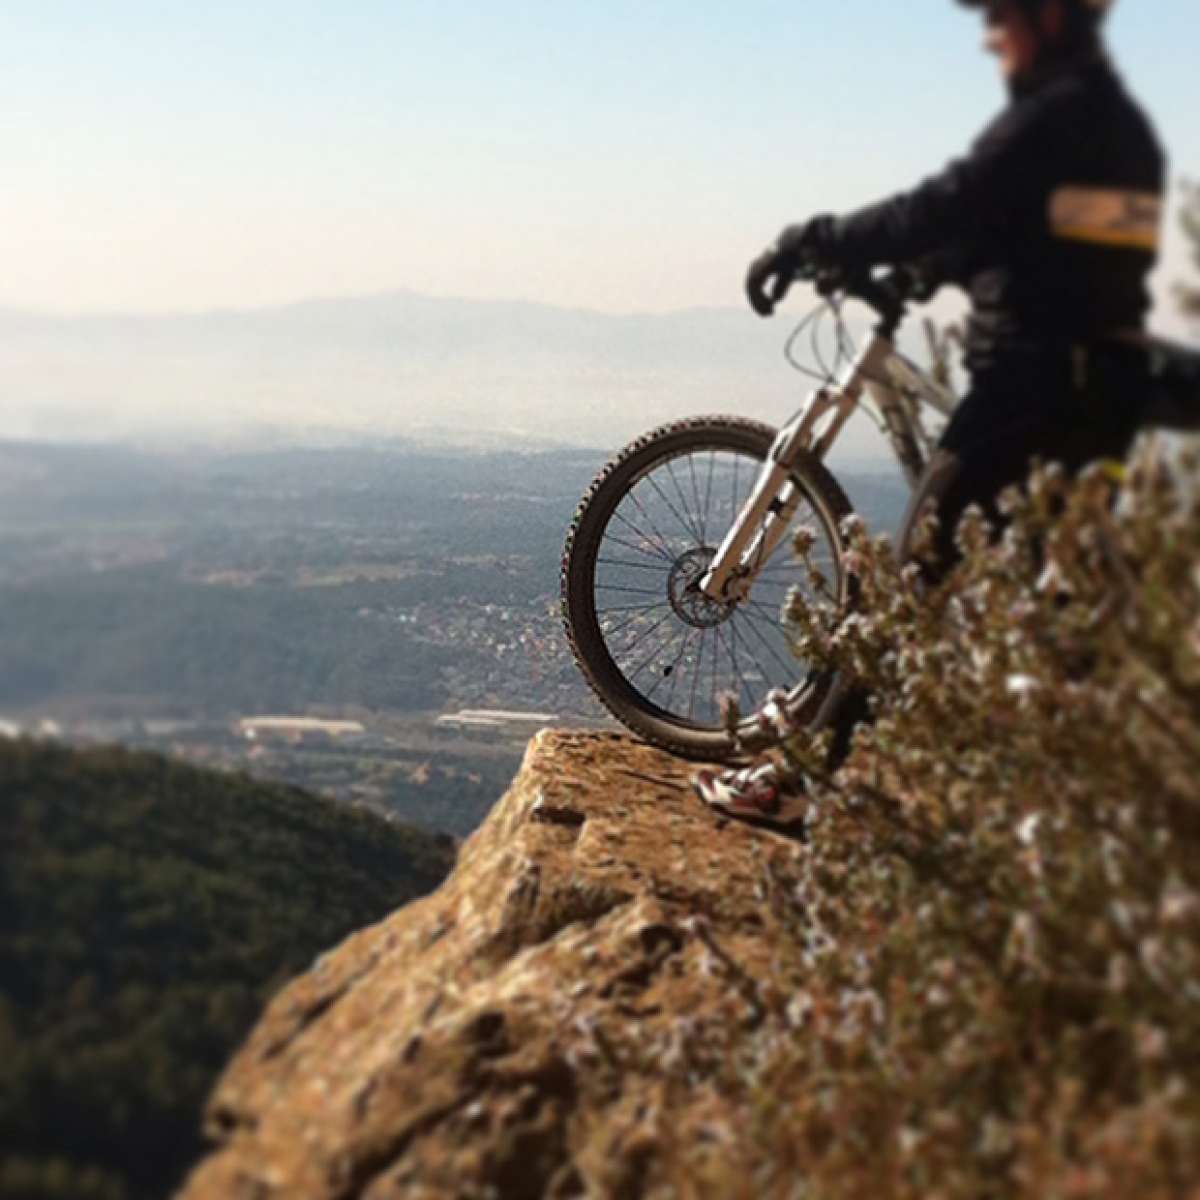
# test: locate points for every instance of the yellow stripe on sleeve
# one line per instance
(1106, 216)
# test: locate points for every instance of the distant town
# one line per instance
(379, 625)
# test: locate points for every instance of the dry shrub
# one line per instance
(993, 987)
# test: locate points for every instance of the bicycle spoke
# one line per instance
(621, 627)
(664, 541)
(700, 514)
(737, 670)
(635, 673)
(775, 616)
(773, 622)
(695, 528)
(621, 562)
(662, 550)
(637, 641)
(696, 677)
(691, 533)
(821, 557)
(712, 460)
(714, 690)
(757, 662)
(741, 645)
(630, 608)
(787, 668)
(734, 501)
(614, 587)
(757, 624)
(675, 672)
(668, 672)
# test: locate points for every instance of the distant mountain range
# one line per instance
(467, 372)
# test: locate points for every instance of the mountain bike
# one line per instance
(678, 561)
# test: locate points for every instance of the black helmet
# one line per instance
(1091, 12)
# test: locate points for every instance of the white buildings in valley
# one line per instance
(296, 729)
(494, 718)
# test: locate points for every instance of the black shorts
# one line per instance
(1060, 406)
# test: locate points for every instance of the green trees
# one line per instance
(146, 634)
(147, 910)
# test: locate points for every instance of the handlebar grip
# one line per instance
(780, 286)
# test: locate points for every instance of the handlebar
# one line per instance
(888, 293)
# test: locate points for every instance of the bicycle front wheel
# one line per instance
(657, 652)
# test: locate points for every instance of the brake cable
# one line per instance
(845, 349)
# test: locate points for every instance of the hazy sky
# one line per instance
(627, 155)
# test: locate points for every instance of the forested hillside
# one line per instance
(147, 910)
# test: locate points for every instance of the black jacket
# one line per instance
(1051, 222)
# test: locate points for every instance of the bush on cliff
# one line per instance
(147, 910)
(994, 980)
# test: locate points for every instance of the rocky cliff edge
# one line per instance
(553, 1021)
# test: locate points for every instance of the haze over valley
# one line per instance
(400, 364)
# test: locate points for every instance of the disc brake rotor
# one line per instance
(691, 605)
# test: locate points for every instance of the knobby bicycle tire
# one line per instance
(819, 490)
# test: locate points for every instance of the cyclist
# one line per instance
(1051, 224)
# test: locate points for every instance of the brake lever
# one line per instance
(827, 281)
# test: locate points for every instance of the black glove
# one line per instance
(772, 272)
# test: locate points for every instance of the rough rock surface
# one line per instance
(548, 1023)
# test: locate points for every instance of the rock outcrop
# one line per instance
(551, 1022)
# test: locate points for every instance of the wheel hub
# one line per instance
(683, 590)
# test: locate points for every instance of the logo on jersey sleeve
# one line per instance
(1106, 216)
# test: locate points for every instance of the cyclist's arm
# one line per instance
(1010, 166)
(949, 265)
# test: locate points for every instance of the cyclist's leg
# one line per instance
(940, 489)
(986, 447)
(1108, 405)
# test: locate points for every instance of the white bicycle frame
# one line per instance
(898, 387)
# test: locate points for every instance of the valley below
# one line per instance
(378, 623)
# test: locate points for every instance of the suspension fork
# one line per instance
(764, 519)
